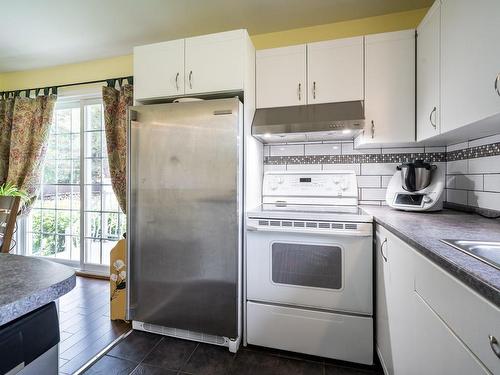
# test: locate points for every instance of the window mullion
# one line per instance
(82, 185)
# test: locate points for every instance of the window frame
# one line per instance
(81, 102)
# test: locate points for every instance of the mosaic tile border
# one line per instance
(483, 151)
(492, 149)
(434, 157)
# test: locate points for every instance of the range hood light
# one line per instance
(267, 135)
(346, 131)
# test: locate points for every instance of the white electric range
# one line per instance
(309, 267)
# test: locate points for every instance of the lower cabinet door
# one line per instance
(383, 338)
(439, 350)
(344, 337)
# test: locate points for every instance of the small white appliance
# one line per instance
(428, 198)
(309, 267)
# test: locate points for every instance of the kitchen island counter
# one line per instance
(29, 283)
(423, 231)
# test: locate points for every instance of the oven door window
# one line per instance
(317, 266)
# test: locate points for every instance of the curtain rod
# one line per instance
(53, 89)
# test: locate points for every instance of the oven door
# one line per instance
(317, 270)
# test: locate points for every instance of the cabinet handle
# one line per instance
(430, 117)
(373, 129)
(496, 84)
(494, 345)
(190, 81)
(382, 249)
(314, 90)
(299, 91)
(177, 81)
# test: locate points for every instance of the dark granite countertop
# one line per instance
(423, 231)
(28, 283)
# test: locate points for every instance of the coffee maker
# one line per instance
(416, 186)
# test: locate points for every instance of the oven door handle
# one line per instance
(343, 233)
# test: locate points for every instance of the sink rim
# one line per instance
(455, 244)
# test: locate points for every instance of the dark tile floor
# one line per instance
(84, 324)
(145, 353)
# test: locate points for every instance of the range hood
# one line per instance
(313, 122)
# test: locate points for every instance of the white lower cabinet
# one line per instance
(438, 350)
(427, 321)
(394, 303)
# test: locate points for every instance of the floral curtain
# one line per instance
(116, 103)
(6, 111)
(24, 131)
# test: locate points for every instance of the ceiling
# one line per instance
(38, 34)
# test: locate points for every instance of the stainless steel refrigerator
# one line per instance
(185, 219)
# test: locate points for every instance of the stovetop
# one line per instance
(310, 212)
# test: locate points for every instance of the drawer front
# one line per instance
(345, 337)
(470, 316)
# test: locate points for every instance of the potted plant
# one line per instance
(8, 192)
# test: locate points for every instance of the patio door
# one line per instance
(76, 219)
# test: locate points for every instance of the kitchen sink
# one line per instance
(487, 252)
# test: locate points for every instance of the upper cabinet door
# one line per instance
(428, 77)
(215, 62)
(335, 70)
(159, 70)
(389, 88)
(470, 61)
(281, 77)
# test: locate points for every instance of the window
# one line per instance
(76, 218)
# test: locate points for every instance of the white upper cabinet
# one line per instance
(389, 89)
(335, 71)
(159, 70)
(215, 62)
(428, 77)
(281, 76)
(470, 61)
(204, 64)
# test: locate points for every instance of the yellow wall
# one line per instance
(362, 26)
(122, 65)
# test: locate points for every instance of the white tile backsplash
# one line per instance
(474, 182)
(386, 180)
(343, 167)
(485, 141)
(484, 199)
(456, 196)
(348, 149)
(458, 146)
(492, 182)
(323, 149)
(372, 194)
(287, 150)
(381, 169)
(490, 164)
(369, 181)
(400, 150)
(435, 149)
(469, 182)
(456, 167)
(279, 167)
(267, 150)
(303, 167)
